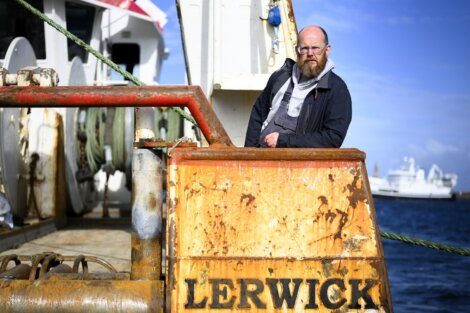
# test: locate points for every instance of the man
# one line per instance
(304, 104)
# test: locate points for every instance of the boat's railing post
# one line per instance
(147, 180)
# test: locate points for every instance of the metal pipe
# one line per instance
(80, 296)
(191, 97)
(146, 202)
(146, 215)
(278, 154)
(144, 123)
(88, 276)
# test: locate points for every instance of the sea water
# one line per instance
(421, 279)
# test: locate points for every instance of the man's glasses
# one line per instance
(315, 50)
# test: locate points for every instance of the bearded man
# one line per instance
(304, 104)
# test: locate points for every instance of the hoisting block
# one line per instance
(271, 230)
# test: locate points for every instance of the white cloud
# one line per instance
(438, 148)
(433, 148)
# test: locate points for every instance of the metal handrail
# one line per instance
(191, 97)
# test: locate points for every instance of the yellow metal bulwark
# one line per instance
(271, 230)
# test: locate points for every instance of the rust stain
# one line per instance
(357, 193)
(327, 268)
(330, 177)
(342, 221)
(146, 258)
(152, 201)
(343, 271)
(323, 200)
(330, 216)
(379, 268)
(249, 197)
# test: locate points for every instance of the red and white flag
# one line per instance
(144, 9)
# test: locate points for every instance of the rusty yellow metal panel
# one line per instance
(273, 230)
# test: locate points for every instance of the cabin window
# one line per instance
(79, 19)
(16, 21)
(126, 55)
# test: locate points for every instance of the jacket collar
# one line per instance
(323, 83)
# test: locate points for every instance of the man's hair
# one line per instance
(325, 35)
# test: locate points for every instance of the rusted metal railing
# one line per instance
(191, 97)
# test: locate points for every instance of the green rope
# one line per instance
(95, 130)
(118, 139)
(97, 54)
(425, 243)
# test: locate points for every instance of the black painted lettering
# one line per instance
(312, 294)
(357, 293)
(286, 294)
(252, 294)
(217, 292)
(324, 294)
(190, 304)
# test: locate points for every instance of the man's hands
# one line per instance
(271, 140)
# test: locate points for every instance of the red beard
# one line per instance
(312, 67)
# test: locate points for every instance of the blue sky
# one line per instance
(406, 64)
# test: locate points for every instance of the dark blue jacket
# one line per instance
(324, 117)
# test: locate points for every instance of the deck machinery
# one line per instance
(259, 230)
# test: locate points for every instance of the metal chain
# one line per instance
(425, 243)
(97, 54)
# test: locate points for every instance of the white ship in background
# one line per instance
(410, 181)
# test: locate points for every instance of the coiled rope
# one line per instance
(117, 148)
(94, 128)
(97, 54)
(118, 139)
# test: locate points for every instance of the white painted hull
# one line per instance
(410, 195)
